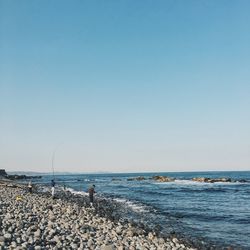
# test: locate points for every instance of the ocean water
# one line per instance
(211, 212)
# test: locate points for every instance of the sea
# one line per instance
(216, 213)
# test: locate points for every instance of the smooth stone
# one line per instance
(24, 245)
(69, 238)
(101, 238)
(10, 229)
(31, 240)
(118, 230)
(14, 244)
(52, 232)
(161, 241)
(175, 240)
(130, 233)
(37, 233)
(90, 243)
(80, 247)
(59, 245)
(57, 239)
(7, 236)
(18, 248)
(108, 247)
(74, 246)
(50, 224)
(150, 236)
(85, 237)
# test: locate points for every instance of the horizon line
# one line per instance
(127, 172)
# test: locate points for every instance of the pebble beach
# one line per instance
(36, 221)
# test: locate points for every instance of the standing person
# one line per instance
(30, 187)
(91, 191)
(53, 188)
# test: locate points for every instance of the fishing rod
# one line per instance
(53, 160)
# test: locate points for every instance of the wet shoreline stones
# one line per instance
(36, 221)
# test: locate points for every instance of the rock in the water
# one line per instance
(139, 178)
(162, 178)
(211, 180)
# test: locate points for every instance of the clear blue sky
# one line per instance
(125, 85)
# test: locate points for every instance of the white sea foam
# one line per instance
(196, 183)
(120, 200)
(135, 207)
(190, 182)
(46, 188)
(76, 192)
(231, 183)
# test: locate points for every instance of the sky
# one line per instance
(125, 86)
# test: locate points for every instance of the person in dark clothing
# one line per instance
(91, 191)
(30, 187)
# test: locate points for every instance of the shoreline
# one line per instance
(38, 217)
(117, 212)
(121, 234)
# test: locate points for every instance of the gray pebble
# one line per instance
(7, 236)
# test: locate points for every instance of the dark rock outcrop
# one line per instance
(138, 178)
(242, 180)
(116, 179)
(22, 177)
(3, 173)
(160, 178)
(211, 180)
(17, 176)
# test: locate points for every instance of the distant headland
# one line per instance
(3, 174)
